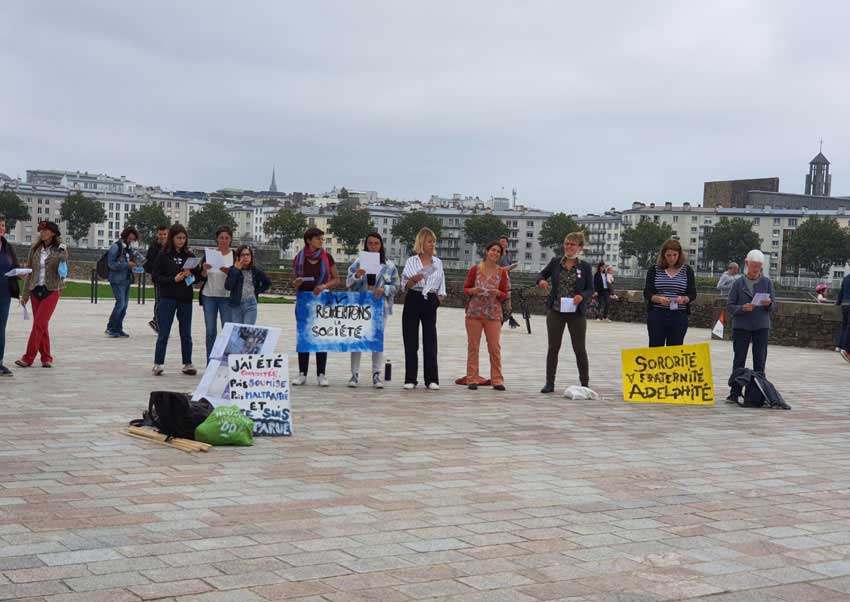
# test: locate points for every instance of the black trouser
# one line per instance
(844, 335)
(666, 326)
(419, 309)
(155, 301)
(602, 304)
(304, 362)
(577, 325)
(741, 340)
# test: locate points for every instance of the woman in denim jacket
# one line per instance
(385, 284)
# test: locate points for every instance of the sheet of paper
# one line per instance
(192, 263)
(673, 305)
(371, 262)
(215, 259)
(759, 298)
(18, 272)
(485, 291)
(26, 313)
(307, 279)
(568, 305)
(428, 270)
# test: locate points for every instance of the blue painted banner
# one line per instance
(339, 322)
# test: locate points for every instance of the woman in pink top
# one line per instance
(487, 286)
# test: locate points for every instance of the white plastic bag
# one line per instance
(577, 392)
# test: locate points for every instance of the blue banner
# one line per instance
(339, 322)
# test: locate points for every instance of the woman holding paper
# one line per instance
(425, 283)
(172, 272)
(751, 301)
(315, 271)
(9, 288)
(487, 287)
(43, 285)
(373, 272)
(567, 297)
(669, 290)
(245, 283)
(214, 297)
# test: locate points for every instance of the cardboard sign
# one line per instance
(678, 375)
(234, 339)
(259, 386)
(339, 322)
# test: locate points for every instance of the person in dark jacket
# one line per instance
(150, 259)
(843, 301)
(245, 282)
(9, 289)
(602, 291)
(175, 289)
(121, 261)
(669, 290)
(570, 291)
(750, 321)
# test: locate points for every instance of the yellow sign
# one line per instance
(680, 374)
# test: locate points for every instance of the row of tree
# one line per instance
(816, 245)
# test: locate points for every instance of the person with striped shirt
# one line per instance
(669, 290)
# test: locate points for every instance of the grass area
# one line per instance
(104, 291)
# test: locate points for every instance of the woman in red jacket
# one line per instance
(487, 286)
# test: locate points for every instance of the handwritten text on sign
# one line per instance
(339, 322)
(679, 374)
(259, 385)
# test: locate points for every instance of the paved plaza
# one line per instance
(456, 495)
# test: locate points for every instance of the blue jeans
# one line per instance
(666, 327)
(214, 307)
(246, 313)
(165, 318)
(5, 302)
(121, 292)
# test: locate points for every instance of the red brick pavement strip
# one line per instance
(455, 495)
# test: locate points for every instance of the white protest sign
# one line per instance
(371, 262)
(259, 386)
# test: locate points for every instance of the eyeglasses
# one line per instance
(245, 255)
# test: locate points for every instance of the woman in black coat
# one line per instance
(669, 290)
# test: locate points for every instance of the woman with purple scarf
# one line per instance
(315, 271)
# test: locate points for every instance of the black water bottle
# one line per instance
(388, 371)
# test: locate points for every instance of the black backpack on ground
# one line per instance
(758, 391)
(174, 414)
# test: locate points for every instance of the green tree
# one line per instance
(13, 208)
(819, 243)
(80, 213)
(146, 219)
(409, 226)
(483, 229)
(285, 226)
(204, 223)
(644, 241)
(555, 229)
(731, 240)
(351, 226)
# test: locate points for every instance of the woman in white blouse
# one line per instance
(425, 285)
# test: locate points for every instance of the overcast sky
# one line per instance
(580, 108)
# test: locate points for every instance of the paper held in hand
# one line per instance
(760, 298)
(18, 272)
(371, 262)
(215, 259)
(428, 270)
(192, 263)
(568, 305)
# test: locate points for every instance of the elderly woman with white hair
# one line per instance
(751, 301)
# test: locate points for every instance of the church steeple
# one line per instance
(818, 180)
(273, 185)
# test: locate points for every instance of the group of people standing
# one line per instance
(230, 289)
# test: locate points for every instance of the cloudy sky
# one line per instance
(580, 108)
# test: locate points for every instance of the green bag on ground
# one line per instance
(227, 425)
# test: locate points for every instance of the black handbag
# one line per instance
(40, 292)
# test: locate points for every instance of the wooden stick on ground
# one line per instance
(165, 443)
(154, 436)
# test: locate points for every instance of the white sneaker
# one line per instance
(409, 386)
(352, 382)
(157, 370)
(323, 381)
(376, 381)
(434, 387)
(301, 380)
